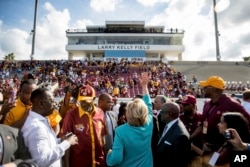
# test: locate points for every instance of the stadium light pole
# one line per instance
(34, 32)
(216, 32)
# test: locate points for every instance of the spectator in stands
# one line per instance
(218, 104)
(44, 147)
(105, 103)
(173, 148)
(246, 100)
(132, 140)
(194, 79)
(192, 119)
(88, 123)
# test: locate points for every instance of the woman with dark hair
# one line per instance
(122, 114)
(227, 153)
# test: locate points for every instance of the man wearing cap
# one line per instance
(88, 123)
(212, 111)
(191, 118)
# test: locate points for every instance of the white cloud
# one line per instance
(151, 2)
(50, 39)
(104, 5)
(14, 40)
(81, 24)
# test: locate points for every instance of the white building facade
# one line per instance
(131, 40)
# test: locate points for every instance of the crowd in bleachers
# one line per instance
(118, 79)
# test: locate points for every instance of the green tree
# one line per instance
(246, 58)
(9, 57)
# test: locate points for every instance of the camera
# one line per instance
(228, 134)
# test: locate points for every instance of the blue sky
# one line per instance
(55, 16)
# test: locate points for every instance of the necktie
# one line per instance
(164, 133)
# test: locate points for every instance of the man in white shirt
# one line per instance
(46, 150)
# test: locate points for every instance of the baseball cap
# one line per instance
(188, 99)
(86, 92)
(214, 81)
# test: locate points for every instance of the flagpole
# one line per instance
(218, 57)
(34, 32)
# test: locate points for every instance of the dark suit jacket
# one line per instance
(174, 148)
(14, 148)
(155, 136)
(161, 124)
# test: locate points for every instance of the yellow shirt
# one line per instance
(116, 91)
(54, 118)
(16, 113)
(19, 110)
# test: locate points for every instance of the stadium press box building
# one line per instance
(132, 40)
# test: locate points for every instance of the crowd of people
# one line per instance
(150, 130)
(119, 79)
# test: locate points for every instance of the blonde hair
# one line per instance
(137, 113)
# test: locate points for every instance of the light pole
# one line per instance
(216, 33)
(34, 33)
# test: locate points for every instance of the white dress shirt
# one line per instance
(42, 142)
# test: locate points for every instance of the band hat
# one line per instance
(188, 99)
(214, 81)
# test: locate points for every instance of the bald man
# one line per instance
(105, 102)
(173, 148)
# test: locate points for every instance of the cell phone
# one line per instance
(68, 134)
(228, 135)
(13, 96)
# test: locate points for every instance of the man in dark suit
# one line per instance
(12, 146)
(173, 148)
